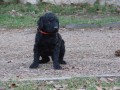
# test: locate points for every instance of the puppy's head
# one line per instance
(48, 23)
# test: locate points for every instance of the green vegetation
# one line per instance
(23, 16)
(71, 84)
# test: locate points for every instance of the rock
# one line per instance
(110, 2)
(59, 2)
(29, 1)
(50, 82)
(113, 2)
(91, 2)
(116, 88)
(79, 26)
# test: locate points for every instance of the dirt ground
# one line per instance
(88, 52)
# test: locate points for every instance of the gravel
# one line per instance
(89, 52)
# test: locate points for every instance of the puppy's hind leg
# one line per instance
(44, 60)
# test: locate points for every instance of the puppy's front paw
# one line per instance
(62, 62)
(57, 67)
(34, 65)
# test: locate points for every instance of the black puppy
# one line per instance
(48, 42)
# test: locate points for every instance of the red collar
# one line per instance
(45, 33)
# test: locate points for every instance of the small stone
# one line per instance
(116, 88)
(10, 61)
(58, 86)
(50, 82)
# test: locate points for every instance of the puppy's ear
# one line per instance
(40, 23)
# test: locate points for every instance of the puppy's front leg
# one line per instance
(35, 63)
(55, 58)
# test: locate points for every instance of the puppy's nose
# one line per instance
(56, 27)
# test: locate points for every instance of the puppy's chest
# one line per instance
(48, 43)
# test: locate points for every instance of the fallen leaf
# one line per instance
(13, 85)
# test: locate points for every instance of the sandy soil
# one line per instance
(88, 52)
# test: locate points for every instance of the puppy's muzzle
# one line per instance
(56, 27)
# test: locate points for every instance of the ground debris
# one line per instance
(117, 53)
(116, 88)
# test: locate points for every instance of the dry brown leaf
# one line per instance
(13, 85)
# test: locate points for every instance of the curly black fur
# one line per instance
(48, 42)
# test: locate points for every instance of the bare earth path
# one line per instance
(88, 52)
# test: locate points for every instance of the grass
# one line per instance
(71, 84)
(24, 16)
(64, 20)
